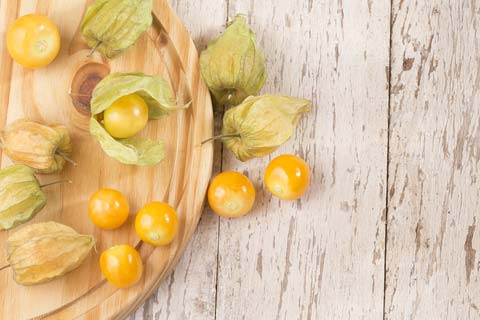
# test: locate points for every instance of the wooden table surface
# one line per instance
(389, 226)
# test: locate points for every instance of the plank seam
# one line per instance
(220, 115)
(218, 233)
(389, 79)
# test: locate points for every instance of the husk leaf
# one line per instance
(159, 98)
(36, 145)
(112, 26)
(20, 196)
(233, 66)
(262, 124)
(41, 252)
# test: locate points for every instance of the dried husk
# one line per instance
(38, 146)
(112, 26)
(42, 252)
(20, 196)
(233, 66)
(260, 125)
(159, 98)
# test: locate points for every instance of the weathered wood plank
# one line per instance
(189, 292)
(434, 186)
(322, 257)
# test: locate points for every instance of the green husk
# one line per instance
(233, 66)
(111, 26)
(260, 125)
(21, 197)
(159, 98)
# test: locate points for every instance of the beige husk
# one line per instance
(44, 251)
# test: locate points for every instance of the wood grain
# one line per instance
(181, 179)
(320, 257)
(8, 10)
(434, 177)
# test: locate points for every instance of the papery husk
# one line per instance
(233, 66)
(21, 197)
(36, 145)
(155, 92)
(112, 26)
(44, 251)
(260, 125)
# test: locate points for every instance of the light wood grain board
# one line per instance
(181, 179)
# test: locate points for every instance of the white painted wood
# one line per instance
(434, 176)
(189, 292)
(321, 257)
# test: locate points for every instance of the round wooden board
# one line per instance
(181, 179)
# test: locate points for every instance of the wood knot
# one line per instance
(84, 82)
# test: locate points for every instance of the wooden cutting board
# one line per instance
(181, 179)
